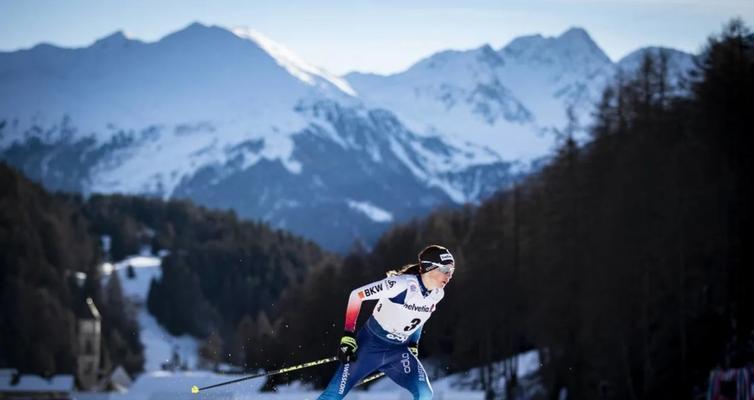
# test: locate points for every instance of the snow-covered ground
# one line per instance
(158, 343)
(177, 385)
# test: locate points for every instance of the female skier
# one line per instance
(389, 340)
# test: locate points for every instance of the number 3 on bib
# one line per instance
(412, 325)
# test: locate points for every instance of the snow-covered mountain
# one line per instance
(182, 101)
(511, 100)
(231, 119)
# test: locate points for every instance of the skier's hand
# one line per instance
(414, 349)
(347, 348)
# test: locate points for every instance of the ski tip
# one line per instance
(194, 389)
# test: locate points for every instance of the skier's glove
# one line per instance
(414, 349)
(347, 348)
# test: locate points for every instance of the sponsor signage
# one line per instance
(414, 307)
(370, 291)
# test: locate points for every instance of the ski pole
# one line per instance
(371, 378)
(195, 389)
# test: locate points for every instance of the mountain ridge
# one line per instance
(234, 120)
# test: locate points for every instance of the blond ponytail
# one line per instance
(409, 269)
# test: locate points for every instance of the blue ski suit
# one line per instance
(403, 306)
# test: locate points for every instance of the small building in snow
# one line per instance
(88, 336)
(15, 386)
(118, 381)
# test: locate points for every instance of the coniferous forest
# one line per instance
(624, 261)
(45, 242)
(218, 270)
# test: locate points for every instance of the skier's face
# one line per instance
(437, 279)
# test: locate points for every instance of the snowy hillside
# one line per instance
(158, 343)
(197, 74)
(511, 100)
(183, 100)
(458, 94)
(229, 119)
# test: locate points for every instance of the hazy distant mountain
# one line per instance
(510, 100)
(678, 63)
(232, 119)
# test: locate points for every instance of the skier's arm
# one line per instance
(386, 288)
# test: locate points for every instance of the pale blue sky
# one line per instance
(376, 35)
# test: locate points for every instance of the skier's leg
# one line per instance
(368, 359)
(407, 371)
(346, 377)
